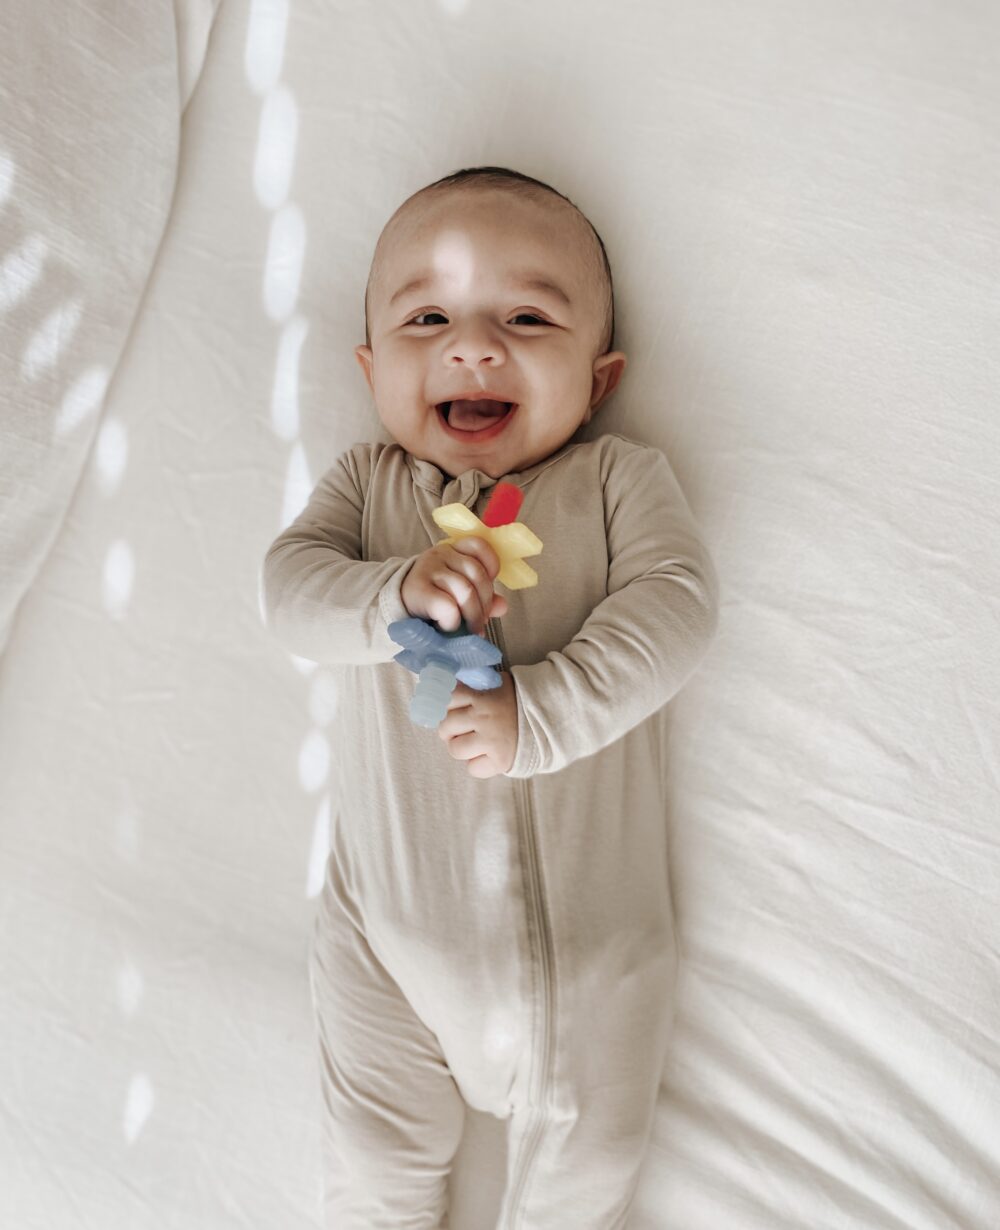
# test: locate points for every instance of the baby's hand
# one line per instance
(481, 727)
(452, 582)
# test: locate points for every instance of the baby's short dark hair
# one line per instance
(506, 180)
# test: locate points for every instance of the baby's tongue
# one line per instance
(474, 415)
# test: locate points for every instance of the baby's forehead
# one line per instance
(528, 242)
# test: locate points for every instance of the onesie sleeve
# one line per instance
(642, 642)
(319, 598)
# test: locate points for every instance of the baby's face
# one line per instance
(477, 326)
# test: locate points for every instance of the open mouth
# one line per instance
(475, 420)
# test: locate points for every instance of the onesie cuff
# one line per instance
(526, 757)
(390, 602)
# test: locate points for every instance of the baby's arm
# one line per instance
(320, 599)
(640, 645)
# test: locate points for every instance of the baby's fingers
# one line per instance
(481, 550)
(464, 602)
(442, 608)
(472, 588)
(476, 560)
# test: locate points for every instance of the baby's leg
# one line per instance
(392, 1114)
(574, 1159)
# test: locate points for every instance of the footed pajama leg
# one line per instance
(392, 1114)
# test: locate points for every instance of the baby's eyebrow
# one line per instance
(525, 281)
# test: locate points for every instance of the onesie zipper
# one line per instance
(539, 929)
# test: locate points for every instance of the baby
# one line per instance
(495, 928)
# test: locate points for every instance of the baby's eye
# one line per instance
(530, 316)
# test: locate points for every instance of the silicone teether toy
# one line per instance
(509, 538)
(442, 659)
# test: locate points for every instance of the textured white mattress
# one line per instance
(799, 204)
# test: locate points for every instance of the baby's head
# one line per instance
(487, 283)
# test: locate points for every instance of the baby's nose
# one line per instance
(476, 344)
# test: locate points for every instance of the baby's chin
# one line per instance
(504, 454)
(497, 462)
(494, 458)
(495, 468)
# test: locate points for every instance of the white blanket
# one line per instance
(799, 205)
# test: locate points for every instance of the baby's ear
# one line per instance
(365, 358)
(608, 371)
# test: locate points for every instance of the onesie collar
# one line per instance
(464, 488)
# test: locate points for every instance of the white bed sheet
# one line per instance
(799, 206)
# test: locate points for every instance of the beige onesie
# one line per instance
(504, 943)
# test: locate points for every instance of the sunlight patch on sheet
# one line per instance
(323, 698)
(6, 177)
(83, 398)
(283, 269)
(117, 578)
(50, 339)
(298, 486)
(129, 988)
(279, 130)
(20, 270)
(274, 161)
(110, 455)
(265, 49)
(285, 397)
(138, 1106)
(319, 852)
(314, 762)
(261, 607)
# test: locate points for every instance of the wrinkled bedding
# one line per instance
(799, 208)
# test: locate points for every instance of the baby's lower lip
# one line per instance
(485, 433)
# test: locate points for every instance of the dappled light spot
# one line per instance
(298, 485)
(276, 141)
(283, 268)
(129, 988)
(501, 1036)
(265, 49)
(50, 339)
(20, 270)
(323, 696)
(261, 604)
(6, 176)
(454, 261)
(454, 8)
(285, 396)
(491, 858)
(138, 1106)
(314, 762)
(82, 399)
(110, 454)
(305, 666)
(320, 849)
(117, 578)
